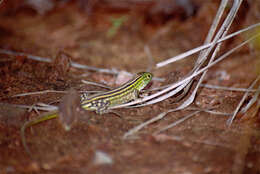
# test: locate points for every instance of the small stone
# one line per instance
(102, 158)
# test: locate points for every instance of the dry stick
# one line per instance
(48, 91)
(228, 88)
(209, 111)
(139, 127)
(44, 107)
(41, 106)
(112, 71)
(230, 120)
(33, 109)
(177, 122)
(163, 114)
(252, 101)
(38, 92)
(155, 119)
(210, 87)
(54, 91)
(48, 60)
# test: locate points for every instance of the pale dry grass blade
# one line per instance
(253, 100)
(177, 122)
(228, 88)
(48, 60)
(230, 120)
(141, 126)
(204, 54)
(37, 93)
(160, 116)
(210, 111)
(38, 106)
(200, 48)
(212, 29)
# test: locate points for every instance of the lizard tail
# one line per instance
(47, 116)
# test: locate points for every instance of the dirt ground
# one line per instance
(105, 34)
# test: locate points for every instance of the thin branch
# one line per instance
(112, 71)
(41, 106)
(139, 127)
(230, 120)
(210, 111)
(48, 91)
(252, 101)
(177, 122)
(38, 92)
(48, 60)
(228, 88)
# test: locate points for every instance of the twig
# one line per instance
(163, 114)
(48, 91)
(139, 127)
(252, 101)
(42, 106)
(177, 122)
(230, 120)
(210, 87)
(112, 71)
(48, 60)
(228, 88)
(38, 92)
(209, 111)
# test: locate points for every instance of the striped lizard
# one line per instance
(100, 102)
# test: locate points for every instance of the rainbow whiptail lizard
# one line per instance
(100, 102)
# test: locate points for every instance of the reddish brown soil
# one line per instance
(202, 144)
